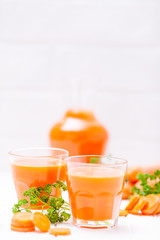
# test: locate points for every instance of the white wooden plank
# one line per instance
(127, 24)
(57, 68)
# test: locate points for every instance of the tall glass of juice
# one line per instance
(35, 167)
(95, 186)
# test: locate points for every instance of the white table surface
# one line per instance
(130, 227)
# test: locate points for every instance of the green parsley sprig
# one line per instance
(57, 208)
(146, 188)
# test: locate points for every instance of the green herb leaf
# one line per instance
(15, 208)
(57, 208)
(44, 198)
(22, 202)
(157, 173)
(48, 188)
(27, 210)
(144, 182)
(33, 201)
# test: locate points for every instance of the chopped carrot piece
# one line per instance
(132, 173)
(41, 221)
(158, 208)
(59, 231)
(136, 213)
(151, 206)
(157, 211)
(22, 219)
(138, 185)
(123, 213)
(134, 199)
(149, 182)
(22, 229)
(139, 205)
(127, 190)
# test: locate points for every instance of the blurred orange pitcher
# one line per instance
(79, 132)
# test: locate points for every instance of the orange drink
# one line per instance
(95, 190)
(37, 167)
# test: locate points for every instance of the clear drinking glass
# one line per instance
(34, 167)
(95, 185)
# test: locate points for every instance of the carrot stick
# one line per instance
(22, 229)
(41, 222)
(22, 219)
(139, 205)
(59, 231)
(134, 199)
(151, 206)
(123, 213)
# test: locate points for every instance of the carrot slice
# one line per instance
(134, 199)
(41, 221)
(17, 224)
(22, 229)
(139, 205)
(136, 213)
(22, 219)
(157, 211)
(151, 206)
(59, 231)
(123, 213)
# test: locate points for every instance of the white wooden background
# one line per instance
(98, 54)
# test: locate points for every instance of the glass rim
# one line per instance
(15, 153)
(121, 163)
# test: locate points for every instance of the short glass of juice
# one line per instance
(95, 186)
(35, 167)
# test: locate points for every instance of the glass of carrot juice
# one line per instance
(95, 186)
(35, 167)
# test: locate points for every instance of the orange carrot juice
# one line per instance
(95, 193)
(35, 167)
(29, 173)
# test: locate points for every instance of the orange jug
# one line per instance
(80, 133)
